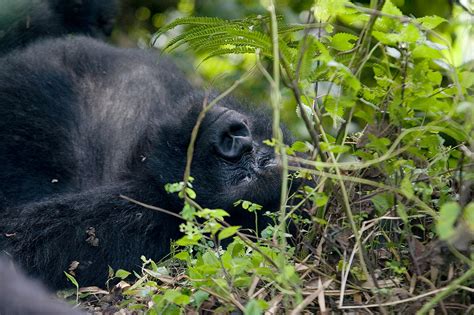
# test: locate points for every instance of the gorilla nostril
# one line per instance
(234, 141)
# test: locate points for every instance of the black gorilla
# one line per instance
(21, 296)
(82, 122)
(23, 21)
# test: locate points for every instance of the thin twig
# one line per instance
(144, 205)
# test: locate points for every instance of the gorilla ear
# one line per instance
(233, 138)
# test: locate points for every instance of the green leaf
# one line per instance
(409, 34)
(228, 232)
(175, 296)
(219, 214)
(325, 9)
(379, 144)
(342, 41)
(254, 207)
(390, 8)
(253, 308)
(72, 279)
(308, 48)
(402, 212)
(448, 215)
(174, 187)
(334, 148)
(191, 193)
(299, 146)
(386, 23)
(430, 22)
(199, 297)
(407, 187)
(382, 202)
(423, 51)
(320, 199)
(468, 216)
(189, 240)
(122, 274)
(188, 212)
(467, 79)
(111, 271)
(386, 38)
(183, 255)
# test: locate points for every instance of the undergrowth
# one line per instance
(386, 221)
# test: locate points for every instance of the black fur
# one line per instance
(22, 296)
(82, 122)
(23, 21)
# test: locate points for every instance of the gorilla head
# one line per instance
(230, 161)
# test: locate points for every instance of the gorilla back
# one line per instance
(82, 122)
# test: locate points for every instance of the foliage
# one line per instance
(386, 221)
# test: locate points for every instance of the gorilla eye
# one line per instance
(234, 140)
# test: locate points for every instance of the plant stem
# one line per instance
(469, 275)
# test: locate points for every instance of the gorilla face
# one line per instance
(239, 164)
(230, 161)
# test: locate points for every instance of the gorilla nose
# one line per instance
(235, 140)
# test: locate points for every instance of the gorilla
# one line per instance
(21, 296)
(83, 122)
(23, 21)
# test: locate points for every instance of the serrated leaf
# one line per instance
(386, 23)
(430, 22)
(390, 8)
(386, 38)
(228, 232)
(343, 41)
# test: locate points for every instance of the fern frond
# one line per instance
(195, 20)
(218, 36)
(227, 51)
